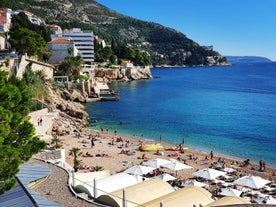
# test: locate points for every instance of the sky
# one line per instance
(233, 27)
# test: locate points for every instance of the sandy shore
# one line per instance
(108, 156)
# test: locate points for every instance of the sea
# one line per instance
(230, 110)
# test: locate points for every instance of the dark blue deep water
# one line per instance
(230, 110)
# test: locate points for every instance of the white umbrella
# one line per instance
(228, 169)
(193, 183)
(208, 173)
(165, 177)
(155, 163)
(230, 192)
(266, 200)
(254, 182)
(175, 166)
(139, 170)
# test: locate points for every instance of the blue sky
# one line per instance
(233, 27)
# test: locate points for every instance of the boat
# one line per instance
(151, 147)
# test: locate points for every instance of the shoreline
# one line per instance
(193, 148)
(112, 160)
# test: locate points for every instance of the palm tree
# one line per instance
(56, 142)
(75, 152)
(72, 65)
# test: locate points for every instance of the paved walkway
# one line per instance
(45, 125)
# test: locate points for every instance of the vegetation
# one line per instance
(29, 38)
(75, 152)
(71, 66)
(119, 52)
(17, 140)
(164, 45)
(56, 142)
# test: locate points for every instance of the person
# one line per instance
(92, 142)
(211, 155)
(261, 165)
(115, 132)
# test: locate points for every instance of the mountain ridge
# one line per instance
(165, 45)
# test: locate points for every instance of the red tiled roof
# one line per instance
(60, 41)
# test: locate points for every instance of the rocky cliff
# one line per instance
(126, 74)
(72, 114)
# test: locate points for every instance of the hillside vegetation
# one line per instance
(165, 45)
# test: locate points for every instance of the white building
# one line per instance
(83, 41)
(60, 49)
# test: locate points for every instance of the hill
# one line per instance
(166, 46)
(246, 59)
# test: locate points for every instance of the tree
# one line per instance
(75, 152)
(17, 140)
(71, 65)
(27, 41)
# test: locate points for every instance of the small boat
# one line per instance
(151, 147)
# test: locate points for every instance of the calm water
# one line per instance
(230, 110)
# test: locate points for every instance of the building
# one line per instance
(83, 41)
(60, 49)
(55, 29)
(5, 19)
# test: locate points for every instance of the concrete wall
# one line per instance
(36, 66)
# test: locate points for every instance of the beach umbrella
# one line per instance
(230, 192)
(254, 182)
(176, 166)
(228, 169)
(208, 173)
(266, 200)
(193, 183)
(165, 177)
(139, 170)
(155, 163)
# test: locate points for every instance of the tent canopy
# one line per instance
(137, 194)
(107, 184)
(188, 197)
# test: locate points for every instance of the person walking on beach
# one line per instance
(92, 142)
(211, 155)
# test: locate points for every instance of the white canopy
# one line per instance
(230, 192)
(254, 182)
(208, 173)
(176, 166)
(266, 200)
(139, 170)
(165, 177)
(193, 183)
(156, 163)
(107, 184)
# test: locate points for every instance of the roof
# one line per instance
(137, 194)
(22, 195)
(107, 184)
(60, 41)
(229, 200)
(191, 196)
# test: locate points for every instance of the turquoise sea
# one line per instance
(230, 110)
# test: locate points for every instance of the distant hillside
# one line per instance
(246, 59)
(166, 46)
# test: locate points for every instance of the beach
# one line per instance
(107, 153)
